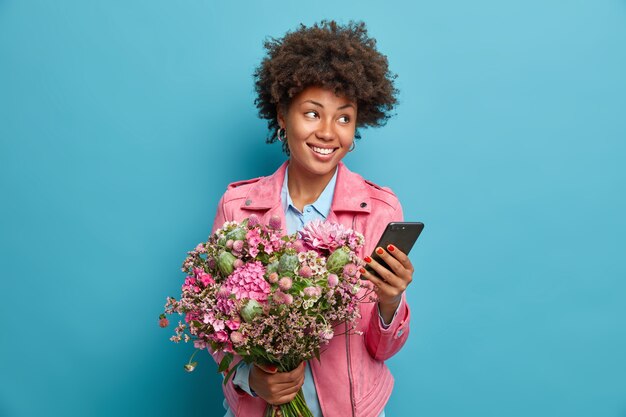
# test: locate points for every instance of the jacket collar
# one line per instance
(351, 192)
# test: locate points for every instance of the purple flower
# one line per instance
(275, 222)
(238, 245)
(253, 220)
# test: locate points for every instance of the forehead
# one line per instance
(322, 96)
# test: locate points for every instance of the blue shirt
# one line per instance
(296, 219)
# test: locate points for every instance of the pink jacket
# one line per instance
(351, 379)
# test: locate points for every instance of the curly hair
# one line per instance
(343, 59)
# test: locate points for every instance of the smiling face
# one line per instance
(320, 129)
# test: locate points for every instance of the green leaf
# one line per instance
(225, 363)
(232, 370)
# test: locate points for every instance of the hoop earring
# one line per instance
(281, 137)
(353, 146)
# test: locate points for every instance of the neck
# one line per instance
(305, 187)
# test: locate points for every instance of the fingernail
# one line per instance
(391, 248)
(379, 251)
(367, 259)
(362, 270)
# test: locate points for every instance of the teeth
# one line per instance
(322, 150)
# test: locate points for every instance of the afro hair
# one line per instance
(343, 59)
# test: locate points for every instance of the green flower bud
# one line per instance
(250, 310)
(288, 263)
(237, 233)
(338, 259)
(273, 267)
(225, 262)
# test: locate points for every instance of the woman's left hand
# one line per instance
(389, 284)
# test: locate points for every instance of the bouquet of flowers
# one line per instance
(271, 299)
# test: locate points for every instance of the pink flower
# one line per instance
(285, 283)
(288, 299)
(237, 338)
(199, 344)
(333, 280)
(254, 238)
(203, 277)
(163, 322)
(219, 337)
(273, 278)
(238, 263)
(350, 270)
(322, 235)
(327, 334)
(200, 248)
(248, 282)
(218, 325)
(305, 272)
(311, 291)
(299, 246)
(190, 285)
(233, 324)
(191, 316)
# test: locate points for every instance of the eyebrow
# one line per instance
(320, 104)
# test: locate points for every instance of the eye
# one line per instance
(310, 114)
(344, 119)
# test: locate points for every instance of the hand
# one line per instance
(276, 387)
(389, 284)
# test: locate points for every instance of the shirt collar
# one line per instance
(321, 205)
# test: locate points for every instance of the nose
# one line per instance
(326, 130)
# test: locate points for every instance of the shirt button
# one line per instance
(248, 202)
(308, 209)
(399, 332)
(363, 204)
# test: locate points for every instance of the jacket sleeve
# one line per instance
(384, 342)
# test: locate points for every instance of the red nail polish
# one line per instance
(367, 259)
(362, 270)
(379, 251)
(391, 248)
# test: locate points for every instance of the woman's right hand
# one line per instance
(276, 387)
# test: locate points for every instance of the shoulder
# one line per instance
(239, 189)
(382, 195)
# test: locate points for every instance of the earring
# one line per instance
(353, 146)
(282, 137)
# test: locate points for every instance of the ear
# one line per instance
(280, 117)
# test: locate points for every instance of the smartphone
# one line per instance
(400, 234)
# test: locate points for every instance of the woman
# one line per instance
(315, 87)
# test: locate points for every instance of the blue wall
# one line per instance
(121, 122)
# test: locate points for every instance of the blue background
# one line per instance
(121, 122)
